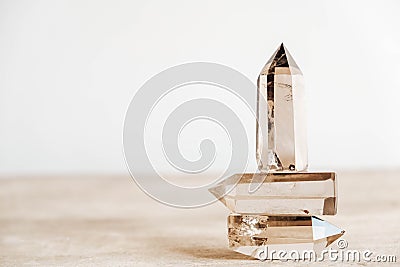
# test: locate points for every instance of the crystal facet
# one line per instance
(281, 127)
(279, 193)
(251, 234)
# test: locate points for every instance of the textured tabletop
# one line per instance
(108, 221)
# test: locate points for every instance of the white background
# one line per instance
(68, 70)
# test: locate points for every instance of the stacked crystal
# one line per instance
(276, 207)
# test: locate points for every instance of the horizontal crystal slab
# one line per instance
(253, 235)
(279, 193)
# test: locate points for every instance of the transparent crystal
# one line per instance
(253, 234)
(281, 128)
(279, 193)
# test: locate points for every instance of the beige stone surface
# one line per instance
(108, 221)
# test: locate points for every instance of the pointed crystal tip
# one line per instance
(325, 230)
(281, 58)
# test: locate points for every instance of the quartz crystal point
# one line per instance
(279, 193)
(281, 118)
(254, 235)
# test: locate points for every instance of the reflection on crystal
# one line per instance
(281, 127)
(279, 193)
(251, 234)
